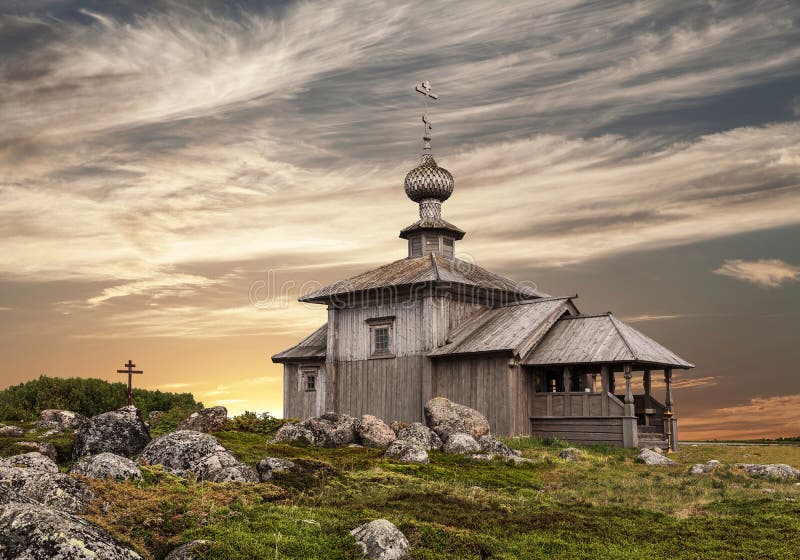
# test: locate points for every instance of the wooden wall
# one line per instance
(352, 337)
(580, 429)
(297, 402)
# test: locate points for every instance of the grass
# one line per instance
(608, 506)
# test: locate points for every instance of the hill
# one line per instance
(89, 397)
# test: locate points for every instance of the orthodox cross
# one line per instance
(425, 89)
(130, 371)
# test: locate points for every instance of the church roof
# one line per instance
(600, 339)
(514, 328)
(438, 223)
(312, 347)
(432, 268)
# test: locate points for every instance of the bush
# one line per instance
(254, 423)
(89, 397)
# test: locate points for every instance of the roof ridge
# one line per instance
(614, 321)
(536, 300)
(435, 267)
(585, 315)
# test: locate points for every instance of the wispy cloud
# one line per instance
(647, 318)
(759, 417)
(766, 273)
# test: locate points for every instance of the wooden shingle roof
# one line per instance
(432, 268)
(601, 338)
(514, 328)
(312, 347)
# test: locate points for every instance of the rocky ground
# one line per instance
(200, 486)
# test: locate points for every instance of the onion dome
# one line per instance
(429, 181)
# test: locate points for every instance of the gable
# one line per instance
(312, 347)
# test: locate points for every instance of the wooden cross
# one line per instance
(130, 371)
(425, 89)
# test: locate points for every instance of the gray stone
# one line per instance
(46, 449)
(36, 532)
(60, 419)
(186, 453)
(374, 432)
(381, 540)
(421, 435)
(571, 454)
(461, 444)
(704, 468)
(652, 458)
(406, 452)
(121, 432)
(446, 417)
(11, 431)
(291, 432)
(186, 551)
(31, 460)
(489, 444)
(154, 416)
(268, 467)
(57, 490)
(777, 470)
(107, 466)
(207, 420)
(332, 429)
(397, 425)
(50, 433)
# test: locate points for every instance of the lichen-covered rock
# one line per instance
(491, 445)
(46, 449)
(461, 444)
(207, 420)
(333, 430)
(268, 467)
(421, 435)
(446, 417)
(107, 466)
(704, 468)
(60, 419)
(777, 470)
(154, 416)
(11, 431)
(406, 452)
(31, 460)
(652, 458)
(186, 452)
(381, 540)
(397, 425)
(50, 433)
(34, 532)
(57, 490)
(187, 551)
(121, 432)
(374, 432)
(571, 454)
(291, 432)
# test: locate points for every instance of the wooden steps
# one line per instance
(651, 436)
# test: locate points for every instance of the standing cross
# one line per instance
(130, 371)
(425, 89)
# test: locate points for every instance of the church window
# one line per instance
(381, 343)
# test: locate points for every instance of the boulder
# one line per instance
(332, 429)
(571, 454)
(406, 452)
(31, 460)
(374, 432)
(421, 435)
(446, 417)
(491, 445)
(650, 457)
(60, 419)
(461, 444)
(50, 433)
(778, 471)
(11, 431)
(121, 432)
(186, 551)
(381, 540)
(107, 466)
(186, 452)
(33, 531)
(271, 465)
(291, 432)
(46, 449)
(397, 425)
(154, 416)
(57, 490)
(207, 420)
(704, 468)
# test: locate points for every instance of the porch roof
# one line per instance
(312, 347)
(582, 339)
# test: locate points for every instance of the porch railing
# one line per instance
(577, 404)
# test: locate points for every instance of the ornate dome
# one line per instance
(428, 180)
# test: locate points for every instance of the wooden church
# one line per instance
(433, 325)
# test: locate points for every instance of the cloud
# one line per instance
(776, 416)
(765, 273)
(647, 318)
(695, 382)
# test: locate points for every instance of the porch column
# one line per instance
(647, 383)
(671, 423)
(567, 386)
(630, 433)
(612, 381)
(604, 386)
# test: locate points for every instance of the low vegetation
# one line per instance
(607, 506)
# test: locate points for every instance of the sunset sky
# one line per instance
(174, 174)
